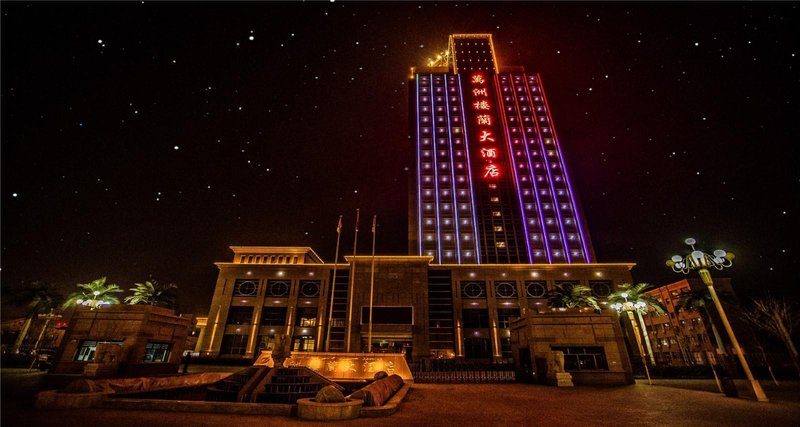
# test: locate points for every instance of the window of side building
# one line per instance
(157, 352)
(583, 358)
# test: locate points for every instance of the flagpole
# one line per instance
(372, 282)
(352, 285)
(333, 283)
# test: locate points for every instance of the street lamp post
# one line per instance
(629, 307)
(701, 261)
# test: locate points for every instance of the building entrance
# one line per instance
(477, 348)
(388, 345)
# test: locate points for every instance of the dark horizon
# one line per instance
(146, 138)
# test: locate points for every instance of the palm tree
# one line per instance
(94, 294)
(701, 302)
(153, 293)
(633, 298)
(40, 298)
(572, 296)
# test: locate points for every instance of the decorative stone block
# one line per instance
(560, 379)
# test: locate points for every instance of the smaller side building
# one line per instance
(592, 343)
(130, 340)
(691, 337)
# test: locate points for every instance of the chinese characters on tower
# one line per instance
(484, 119)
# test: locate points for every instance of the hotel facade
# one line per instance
(494, 227)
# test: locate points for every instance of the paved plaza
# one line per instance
(667, 402)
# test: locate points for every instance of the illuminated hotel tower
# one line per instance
(491, 186)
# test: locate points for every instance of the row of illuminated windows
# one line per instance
(154, 352)
(448, 237)
(439, 109)
(446, 221)
(517, 77)
(436, 78)
(446, 193)
(425, 100)
(446, 206)
(476, 289)
(449, 255)
(443, 154)
(527, 119)
(237, 344)
(275, 288)
(444, 142)
(428, 179)
(424, 89)
(478, 318)
(535, 237)
(524, 108)
(272, 316)
(439, 130)
(268, 259)
(442, 165)
(546, 206)
(439, 119)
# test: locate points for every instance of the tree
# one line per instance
(39, 297)
(572, 296)
(701, 302)
(778, 317)
(154, 293)
(94, 294)
(633, 298)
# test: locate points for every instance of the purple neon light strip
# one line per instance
(560, 224)
(533, 175)
(475, 239)
(419, 174)
(513, 164)
(571, 194)
(436, 175)
(452, 173)
(566, 175)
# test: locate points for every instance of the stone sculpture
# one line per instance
(329, 394)
(282, 351)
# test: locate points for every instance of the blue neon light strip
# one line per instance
(513, 166)
(546, 163)
(457, 235)
(419, 174)
(564, 169)
(542, 225)
(436, 173)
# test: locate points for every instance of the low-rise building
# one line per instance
(418, 308)
(128, 340)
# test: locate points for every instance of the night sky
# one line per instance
(145, 138)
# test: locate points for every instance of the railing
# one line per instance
(465, 377)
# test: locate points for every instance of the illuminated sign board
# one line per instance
(344, 366)
(484, 118)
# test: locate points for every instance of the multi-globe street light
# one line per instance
(719, 259)
(93, 302)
